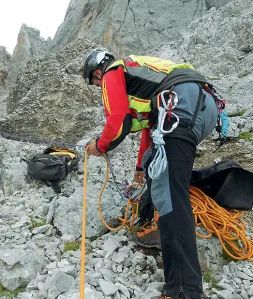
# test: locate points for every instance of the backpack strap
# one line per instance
(56, 187)
(201, 99)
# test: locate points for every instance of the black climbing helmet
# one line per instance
(95, 60)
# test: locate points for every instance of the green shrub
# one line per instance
(238, 113)
(36, 222)
(74, 245)
(10, 294)
(208, 276)
(245, 135)
(225, 255)
(213, 78)
(244, 74)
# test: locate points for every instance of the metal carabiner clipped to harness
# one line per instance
(168, 106)
(172, 98)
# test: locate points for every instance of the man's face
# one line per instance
(96, 78)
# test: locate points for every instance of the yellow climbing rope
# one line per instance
(83, 245)
(227, 226)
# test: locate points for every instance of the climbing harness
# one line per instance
(160, 163)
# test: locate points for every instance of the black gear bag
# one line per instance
(52, 166)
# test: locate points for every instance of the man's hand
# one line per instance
(139, 176)
(92, 149)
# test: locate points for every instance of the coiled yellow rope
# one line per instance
(227, 226)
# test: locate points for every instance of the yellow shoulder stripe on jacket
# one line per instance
(105, 97)
(119, 133)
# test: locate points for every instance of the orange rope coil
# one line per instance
(227, 226)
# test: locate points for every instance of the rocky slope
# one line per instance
(40, 234)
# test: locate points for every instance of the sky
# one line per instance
(44, 15)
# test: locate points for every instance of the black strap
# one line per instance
(22, 159)
(56, 187)
(201, 99)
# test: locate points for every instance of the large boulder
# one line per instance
(19, 266)
(49, 98)
(124, 26)
(29, 45)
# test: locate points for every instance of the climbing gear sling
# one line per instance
(165, 109)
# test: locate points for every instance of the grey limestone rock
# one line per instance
(216, 3)
(18, 267)
(50, 96)
(29, 45)
(5, 59)
(124, 26)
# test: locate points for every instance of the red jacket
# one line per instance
(118, 114)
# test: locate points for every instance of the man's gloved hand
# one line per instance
(139, 176)
(92, 149)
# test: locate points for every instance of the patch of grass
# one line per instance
(215, 285)
(230, 90)
(225, 255)
(238, 113)
(214, 78)
(10, 294)
(245, 135)
(208, 277)
(244, 74)
(135, 229)
(36, 222)
(72, 245)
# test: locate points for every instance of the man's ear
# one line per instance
(98, 74)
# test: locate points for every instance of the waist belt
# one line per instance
(184, 133)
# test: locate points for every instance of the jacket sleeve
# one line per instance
(118, 115)
(144, 145)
